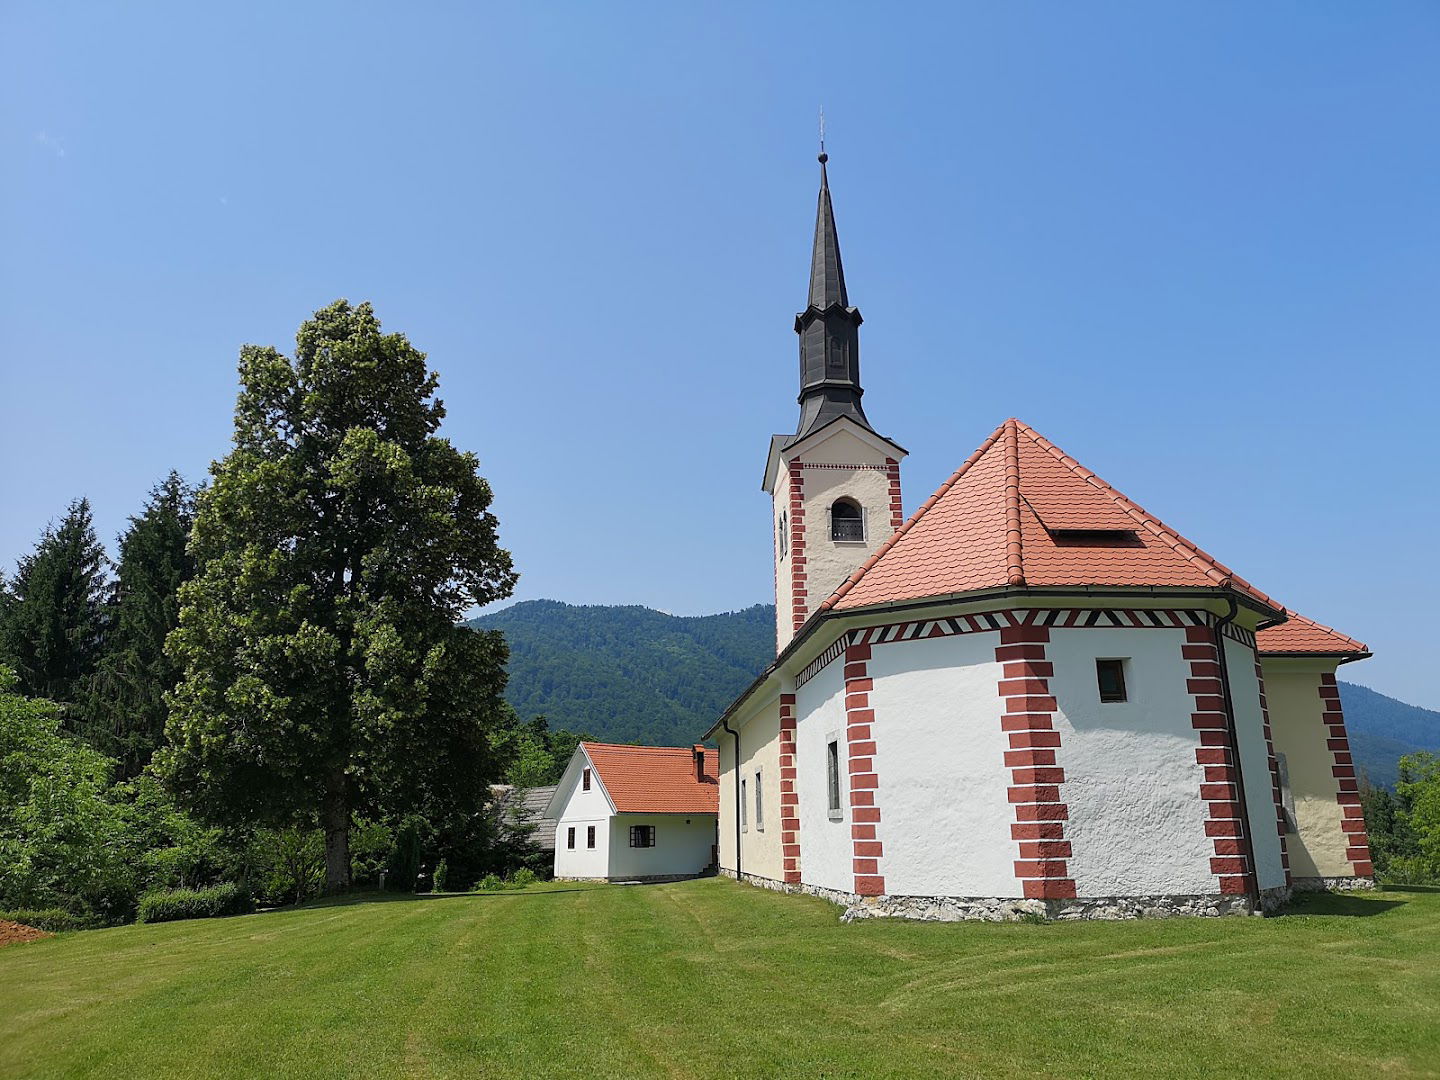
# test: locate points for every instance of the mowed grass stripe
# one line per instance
(710, 978)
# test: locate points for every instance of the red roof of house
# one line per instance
(1302, 636)
(656, 779)
(994, 524)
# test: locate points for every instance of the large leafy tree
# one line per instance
(125, 705)
(324, 673)
(54, 620)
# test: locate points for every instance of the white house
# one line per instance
(1031, 695)
(635, 813)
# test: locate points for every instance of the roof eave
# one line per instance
(829, 615)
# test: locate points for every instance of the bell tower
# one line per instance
(834, 483)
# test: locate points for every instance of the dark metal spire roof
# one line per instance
(827, 275)
(829, 330)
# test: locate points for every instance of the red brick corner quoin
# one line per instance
(789, 800)
(1353, 822)
(1040, 811)
(799, 593)
(1218, 759)
(864, 781)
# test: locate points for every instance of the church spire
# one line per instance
(829, 330)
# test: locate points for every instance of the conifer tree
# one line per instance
(54, 618)
(125, 703)
(324, 673)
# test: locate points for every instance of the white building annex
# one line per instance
(635, 813)
(1032, 696)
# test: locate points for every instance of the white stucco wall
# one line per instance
(829, 563)
(760, 850)
(1255, 760)
(579, 809)
(940, 756)
(1137, 823)
(825, 845)
(682, 845)
(1292, 691)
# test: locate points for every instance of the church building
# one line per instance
(1030, 697)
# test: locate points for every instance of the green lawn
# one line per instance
(710, 978)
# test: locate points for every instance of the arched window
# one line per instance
(847, 522)
(783, 534)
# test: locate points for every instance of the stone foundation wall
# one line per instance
(1333, 884)
(1010, 909)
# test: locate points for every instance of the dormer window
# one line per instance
(847, 521)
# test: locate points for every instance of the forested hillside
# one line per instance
(631, 674)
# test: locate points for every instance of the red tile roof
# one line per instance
(1302, 636)
(994, 522)
(656, 779)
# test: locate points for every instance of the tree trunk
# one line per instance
(336, 821)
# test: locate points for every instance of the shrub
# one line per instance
(524, 876)
(489, 883)
(167, 905)
(442, 874)
(55, 920)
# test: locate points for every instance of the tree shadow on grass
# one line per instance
(1346, 904)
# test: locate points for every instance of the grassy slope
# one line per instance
(701, 978)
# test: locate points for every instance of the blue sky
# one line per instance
(1196, 245)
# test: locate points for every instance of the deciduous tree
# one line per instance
(337, 545)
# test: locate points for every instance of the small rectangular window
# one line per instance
(570, 838)
(832, 776)
(590, 836)
(1110, 674)
(759, 804)
(642, 835)
(743, 796)
(585, 780)
(1287, 797)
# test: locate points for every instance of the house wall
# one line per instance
(1292, 688)
(682, 845)
(1132, 785)
(940, 757)
(580, 809)
(1255, 763)
(826, 850)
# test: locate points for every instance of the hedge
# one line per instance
(167, 905)
(55, 920)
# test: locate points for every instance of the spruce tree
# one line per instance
(125, 704)
(54, 619)
(324, 673)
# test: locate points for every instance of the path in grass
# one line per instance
(710, 978)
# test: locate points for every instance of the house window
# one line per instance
(590, 836)
(759, 804)
(585, 780)
(744, 824)
(642, 835)
(1110, 674)
(847, 522)
(784, 534)
(570, 838)
(1287, 797)
(832, 777)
